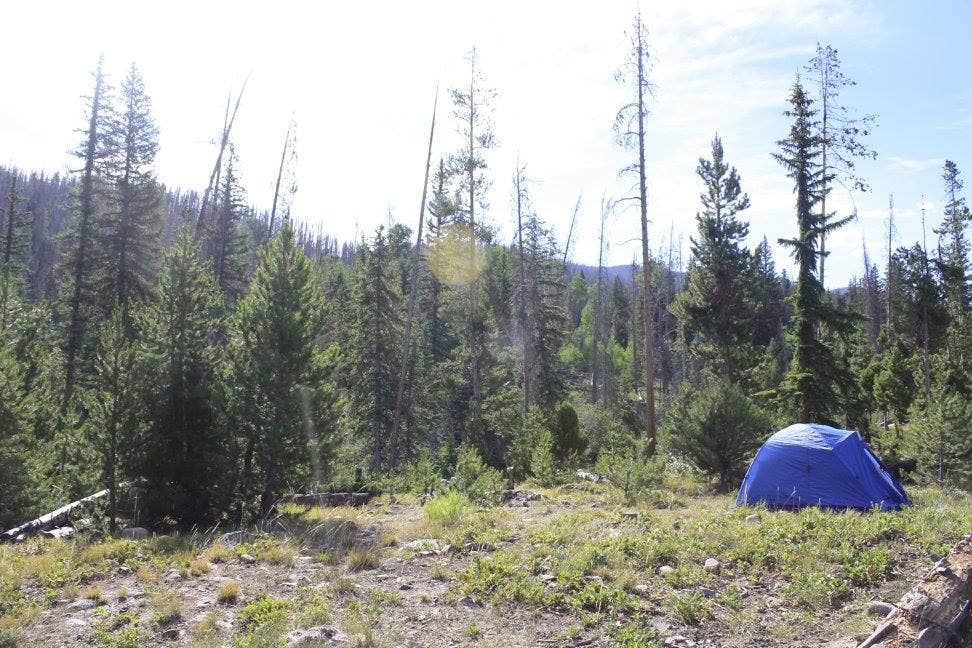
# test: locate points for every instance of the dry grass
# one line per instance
(228, 592)
(166, 607)
(361, 559)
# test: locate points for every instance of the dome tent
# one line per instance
(817, 465)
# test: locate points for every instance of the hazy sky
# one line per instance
(360, 77)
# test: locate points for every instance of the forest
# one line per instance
(206, 358)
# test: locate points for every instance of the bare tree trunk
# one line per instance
(646, 263)
(412, 299)
(228, 120)
(890, 252)
(824, 146)
(473, 315)
(276, 189)
(596, 334)
(521, 298)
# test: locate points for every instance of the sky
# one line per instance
(359, 81)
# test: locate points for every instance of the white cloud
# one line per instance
(915, 165)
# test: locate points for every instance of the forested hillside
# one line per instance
(204, 358)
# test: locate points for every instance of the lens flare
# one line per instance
(456, 258)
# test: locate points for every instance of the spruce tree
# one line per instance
(96, 151)
(113, 407)
(374, 342)
(182, 451)
(131, 227)
(18, 448)
(14, 226)
(717, 304)
(282, 392)
(227, 242)
(811, 383)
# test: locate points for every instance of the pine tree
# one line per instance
(130, 228)
(374, 342)
(545, 305)
(182, 450)
(620, 312)
(839, 134)
(18, 474)
(953, 244)
(227, 245)
(471, 107)
(717, 304)
(13, 229)
(96, 151)
(813, 377)
(282, 393)
(113, 407)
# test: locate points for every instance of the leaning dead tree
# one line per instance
(287, 148)
(630, 126)
(228, 119)
(412, 299)
(55, 518)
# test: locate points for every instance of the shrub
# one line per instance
(166, 607)
(568, 441)
(717, 429)
(10, 638)
(542, 459)
(446, 510)
(473, 477)
(362, 559)
(265, 611)
(627, 471)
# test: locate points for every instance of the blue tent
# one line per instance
(817, 465)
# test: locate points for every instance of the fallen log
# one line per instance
(931, 614)
(53, 519)
(358, 498)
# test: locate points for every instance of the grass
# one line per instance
(166, 607)
(362, 559)
(264, 611)
(445, 511)
(228, 592)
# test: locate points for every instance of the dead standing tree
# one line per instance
(412, 300)
(288, 148)
(228, 119)
(630, 127)
(522, 316)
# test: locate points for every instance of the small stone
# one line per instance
(171, 634)
(83, 604)
(753, 519)
(707, 592)
(134, 533)
(629, 515)
(711, 565)
(224, 625)
(232, 538)
(247, 558)
(312, 636)
(77, 623)
(675, 640)
(879, 608)
(172, 577)
(642, 589)
(665, 570)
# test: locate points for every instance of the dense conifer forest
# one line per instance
(205, 358)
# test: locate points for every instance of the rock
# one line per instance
(642, 589)
(247, 558)
(423, 546)
(233, 538)
(83, 604)
(224, 625)
(753, 519)
(879, 608)
(172, 577)
(843, 642)
(172, 634)
(520, 497)
(711, 565)
(665, 570)
(676, 640)
(485, 547)
(74, 622)
(707, 592)
(629, 515)
(135, 533)
(316, 636)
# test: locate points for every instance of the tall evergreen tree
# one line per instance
(14, 226)
(954, 246)
(717, 304)
(96, 152)
(131, 226)
(282, 393)
(811, 383)
(182, 450)
(374, 342)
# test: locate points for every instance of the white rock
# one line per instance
(752, 519)
(77, 623)
(711, 565)
(642, 589)
(665, 570)
(135, 533)
(247, 558)
(879, 608)
(83, 604)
